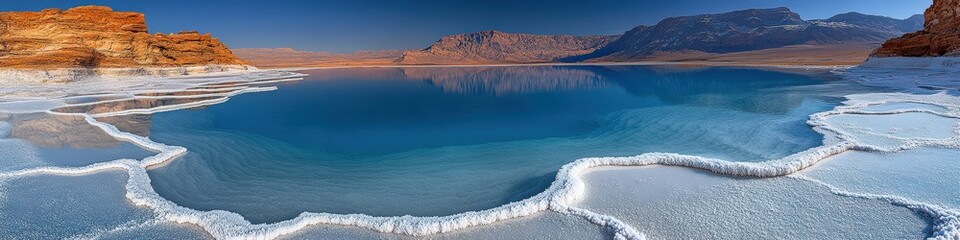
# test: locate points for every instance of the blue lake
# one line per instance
(439, 141)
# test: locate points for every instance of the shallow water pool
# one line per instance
(439, 141)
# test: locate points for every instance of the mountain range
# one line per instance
(96, 37)
(500, 47)
(732, 36)
(749, 30)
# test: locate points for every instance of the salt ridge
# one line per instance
(564, 192)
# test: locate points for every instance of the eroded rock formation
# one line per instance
(940, 35)
(98, 37)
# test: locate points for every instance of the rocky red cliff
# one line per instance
(98, 37)
(940, 35)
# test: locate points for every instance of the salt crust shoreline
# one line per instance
(64, 75)
(561, 196)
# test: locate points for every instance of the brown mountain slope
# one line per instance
(98, 37)
(500, 47)
(940, 35)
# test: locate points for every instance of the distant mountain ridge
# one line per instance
(501, 47)
(748, 30)
(705, 37)
(905, 25)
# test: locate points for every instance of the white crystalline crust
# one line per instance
(64, 75)
(561, 196)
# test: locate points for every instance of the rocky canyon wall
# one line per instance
(940, 35)
(91, 37)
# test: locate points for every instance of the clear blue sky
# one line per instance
(349, 25)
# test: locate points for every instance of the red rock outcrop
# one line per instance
(940, 35)
(98, 37)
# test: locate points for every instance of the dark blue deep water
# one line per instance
(440, 141)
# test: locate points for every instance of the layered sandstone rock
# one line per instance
(92, 37)
(940, 35)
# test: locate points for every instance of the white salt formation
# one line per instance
(894, 123)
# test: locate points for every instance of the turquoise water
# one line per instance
(440, 141)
